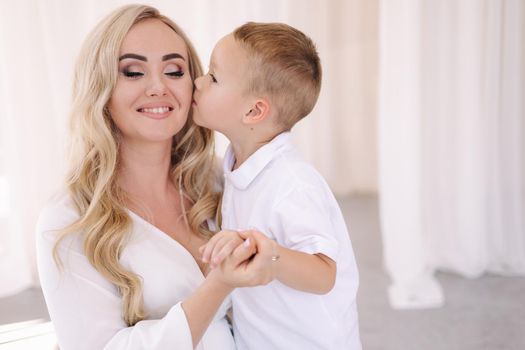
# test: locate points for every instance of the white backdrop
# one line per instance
(39, 41)
(451, 122)
(451, 141)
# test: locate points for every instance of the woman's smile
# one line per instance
(156, 110)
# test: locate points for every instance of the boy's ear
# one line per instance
(259, 111)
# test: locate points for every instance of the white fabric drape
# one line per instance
(29, 136)
(451, 142)
(39, 42)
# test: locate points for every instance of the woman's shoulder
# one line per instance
(57, 214)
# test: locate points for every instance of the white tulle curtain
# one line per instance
(39, 41)
(451, 142)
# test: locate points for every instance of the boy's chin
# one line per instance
(199, 123)
(198, 120)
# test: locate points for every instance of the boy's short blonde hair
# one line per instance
(283, 64)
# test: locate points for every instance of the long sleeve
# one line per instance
(85, 308)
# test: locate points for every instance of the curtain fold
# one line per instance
(25, 142)
(461, 197)
(400, 157)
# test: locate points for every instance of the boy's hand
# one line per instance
(252, 263)
(221, 245)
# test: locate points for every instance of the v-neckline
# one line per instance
(170, 239)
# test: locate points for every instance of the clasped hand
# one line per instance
(240, 259)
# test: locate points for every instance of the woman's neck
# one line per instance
(145, 168)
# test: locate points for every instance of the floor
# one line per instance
(487, 313)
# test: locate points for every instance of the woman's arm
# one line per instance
(202, 305)
(86, 309)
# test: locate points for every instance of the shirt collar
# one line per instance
(248, 171)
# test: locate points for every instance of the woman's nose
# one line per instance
(157, 88)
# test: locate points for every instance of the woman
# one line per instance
(118, 253)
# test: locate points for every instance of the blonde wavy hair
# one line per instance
(92, 178)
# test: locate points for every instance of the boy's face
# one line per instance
(219, 99)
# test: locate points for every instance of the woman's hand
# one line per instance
(231, 272)
(259, 269)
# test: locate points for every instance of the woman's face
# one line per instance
(153, 93)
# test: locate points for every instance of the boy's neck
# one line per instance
(244, 148)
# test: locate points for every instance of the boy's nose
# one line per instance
(198, 83)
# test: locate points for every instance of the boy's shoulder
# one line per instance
(289, 170)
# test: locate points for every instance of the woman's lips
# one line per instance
(160, 112)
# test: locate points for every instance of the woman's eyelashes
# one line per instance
(177, 74)
(174, 70)
(212, 77)
(134, 73)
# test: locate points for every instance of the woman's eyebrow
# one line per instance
(143, 58)
(171, 56)
(133, 55)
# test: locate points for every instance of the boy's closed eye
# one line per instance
(212, 77)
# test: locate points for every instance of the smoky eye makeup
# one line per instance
(174, 70)
(131, 71)
(134, 70)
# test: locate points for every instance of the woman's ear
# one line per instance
(259, 112)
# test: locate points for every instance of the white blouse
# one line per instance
(86, 309)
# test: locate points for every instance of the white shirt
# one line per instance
(277, 193)
(86, 309)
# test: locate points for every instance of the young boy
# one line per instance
(263, 79)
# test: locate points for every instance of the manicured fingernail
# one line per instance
(246, 243)
(204, 259)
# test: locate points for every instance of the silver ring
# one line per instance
(275, 255)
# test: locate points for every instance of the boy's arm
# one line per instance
(313, 273)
